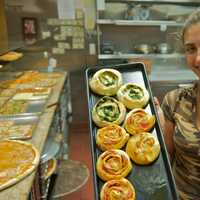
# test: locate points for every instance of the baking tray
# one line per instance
(152, 182)
(34, 108)
(29, 120)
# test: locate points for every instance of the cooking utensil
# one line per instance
(163, 48)
(144, 48)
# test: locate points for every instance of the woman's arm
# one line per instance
(168, 131)
(167, 128)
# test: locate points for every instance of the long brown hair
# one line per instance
(194, 18)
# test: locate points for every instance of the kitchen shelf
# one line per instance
(131, 55)
(180, 2)
(138, 22)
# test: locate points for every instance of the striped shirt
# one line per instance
(179, 106)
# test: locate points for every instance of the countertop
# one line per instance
(21, 190)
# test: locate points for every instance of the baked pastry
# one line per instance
(133, 95)
(106, 82)
(137, 120)
(13, 107)
(20, 131)
(143, 148)
(108, 110)
(18, 159)
(113, 164)
(115, 189)
(111, 137)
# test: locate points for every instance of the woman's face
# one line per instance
(192, 48)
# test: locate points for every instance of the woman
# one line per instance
(181, 119)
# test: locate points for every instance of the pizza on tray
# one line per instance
(18, 160)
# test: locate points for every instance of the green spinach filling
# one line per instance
(108, 78)
(135, 92)
(108, 111)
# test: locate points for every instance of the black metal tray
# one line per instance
(152, 182)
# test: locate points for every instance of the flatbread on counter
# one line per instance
(13, 107)
(19, 131)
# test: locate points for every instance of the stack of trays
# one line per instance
(153, 180)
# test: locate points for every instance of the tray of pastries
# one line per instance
(18, 108)
(18, 128)
(130, 159)
(30, 79)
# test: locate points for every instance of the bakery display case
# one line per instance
(50, 125)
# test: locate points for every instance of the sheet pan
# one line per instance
(152, 182)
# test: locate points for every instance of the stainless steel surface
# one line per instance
(190, 2)
(22, 120)
(120, 55)
(50, 150)
(139, 22)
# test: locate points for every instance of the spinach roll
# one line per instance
(108, 110)
(118, 189)
(143, 148)
(111, 137)
(106, 82)
(138, 120)
(133, 95)
(113, 164)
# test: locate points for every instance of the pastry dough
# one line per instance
(106, 82)
(18, 160)
(133, 95)
(108, 110)
(143, 148)
(113, 164)
(137, 120)
(111, 137)
(118, 189)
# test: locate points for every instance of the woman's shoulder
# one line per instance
(186, 91)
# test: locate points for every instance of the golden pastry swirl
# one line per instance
(143, 148)
(108, 110)
(118, 189)
(137, 120)
(113, 164)
(133, 95)
(106, 82)
(111, 137)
